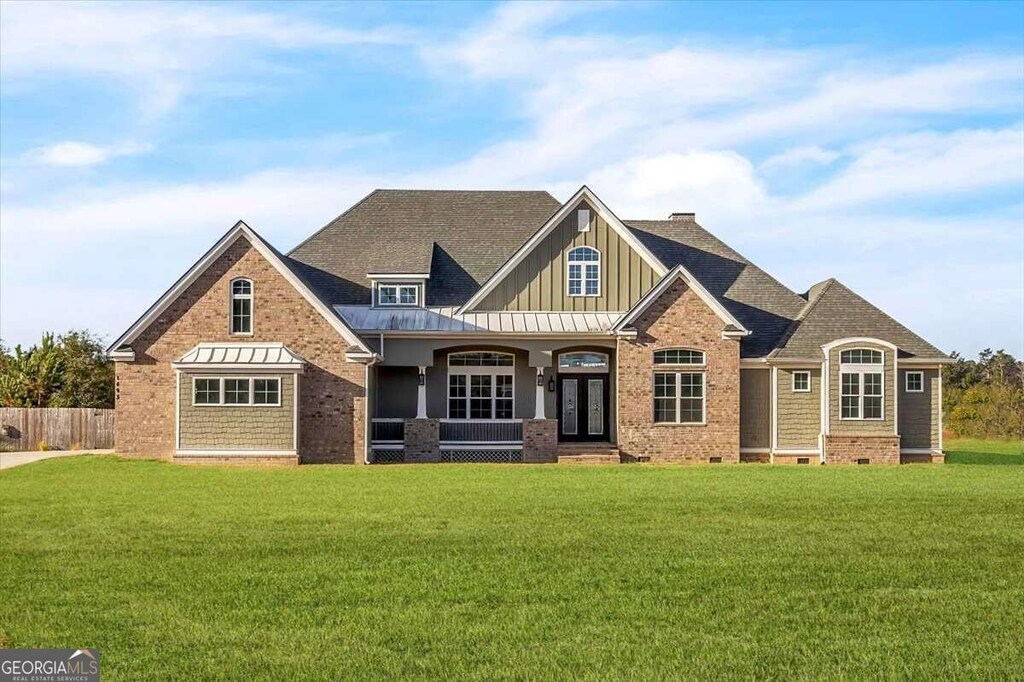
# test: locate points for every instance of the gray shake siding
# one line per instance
(539, 282)
(919, 412)
(799, 421)
(755, 408)
(221, 427)
(862, 427)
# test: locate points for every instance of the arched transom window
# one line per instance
(481, 385)
(241, 306)
(584, 272)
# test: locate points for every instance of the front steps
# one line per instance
(588, 453)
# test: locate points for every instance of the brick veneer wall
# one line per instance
(848, 449)
(422, 440)
(540, 440)
(679, 319)
(330, 415)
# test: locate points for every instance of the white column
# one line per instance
(538, 412)
(421, 394)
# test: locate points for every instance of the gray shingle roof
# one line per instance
(460, 237)
(835, 312)
(757, 300)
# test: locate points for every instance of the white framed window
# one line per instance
(583, 220)
(241, 307)
(915, 382)
(583, 272)
(862, 395)
(481, 385)
(801, 382)
(679, 398)
(679, 356)
(236, 391)
(398, 294)
(862, 384)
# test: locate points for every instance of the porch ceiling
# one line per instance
(446, 319)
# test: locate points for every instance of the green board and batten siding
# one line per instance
(539, 281)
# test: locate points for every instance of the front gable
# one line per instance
(536, 277)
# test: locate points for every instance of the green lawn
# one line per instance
(520, 572)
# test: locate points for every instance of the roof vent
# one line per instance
(682, 216)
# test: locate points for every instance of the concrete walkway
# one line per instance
(9, 460)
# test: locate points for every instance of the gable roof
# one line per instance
(459, 237)
(583, 194)
(732, 325)
(761, 304)
(834, 312)
(280, 263)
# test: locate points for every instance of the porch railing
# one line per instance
(388, 431)
(504, 431)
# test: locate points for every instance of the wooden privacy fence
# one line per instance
(60, 428)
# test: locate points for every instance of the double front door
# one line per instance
(582, 407)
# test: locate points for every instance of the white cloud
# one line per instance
(83, 153)
(160, 49)
(798, 156)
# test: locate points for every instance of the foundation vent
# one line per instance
(716, 460)
(803, 460)
(863, 460)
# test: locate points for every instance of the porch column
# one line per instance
(421, 394)
(538, 411)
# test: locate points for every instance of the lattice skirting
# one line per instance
(388, 456)
(482, 456)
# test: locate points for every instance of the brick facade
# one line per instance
(679, 319)
(422, 440)
(540, 440)
(849, 449)
(331, 413)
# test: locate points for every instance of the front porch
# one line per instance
(503, 404)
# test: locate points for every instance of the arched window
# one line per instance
(862, 384)
(584, 272)
(241, 306)
(678, 356)
(481, 385)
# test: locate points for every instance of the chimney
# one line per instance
(682, 216)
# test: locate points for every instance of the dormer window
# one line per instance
(398, 294)
(584, 272)
(241, 307)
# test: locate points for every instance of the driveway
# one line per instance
(9, 460)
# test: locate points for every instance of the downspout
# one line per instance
(367, 423)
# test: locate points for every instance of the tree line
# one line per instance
(981, 398)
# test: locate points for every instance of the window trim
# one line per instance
(570, 261)
(479, 370)
(252, 379)
(906, 381)
(251, 297)
(803, 372)
(678, 397)
(398, 286)
(880, 363)
(703, 358)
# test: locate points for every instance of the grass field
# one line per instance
(520, 572)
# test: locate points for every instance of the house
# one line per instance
(427, 326)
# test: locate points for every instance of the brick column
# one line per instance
(540, 440)
(422, 440)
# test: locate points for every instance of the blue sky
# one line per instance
(882, 144)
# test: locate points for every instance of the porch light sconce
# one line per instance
(422, 378)
(551, 385)
(540, 379)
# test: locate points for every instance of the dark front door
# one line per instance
(583, 407)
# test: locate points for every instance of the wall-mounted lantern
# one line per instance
(551, 385)
(540, 379)
(422, 379)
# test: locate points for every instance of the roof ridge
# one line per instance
(802, 315)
